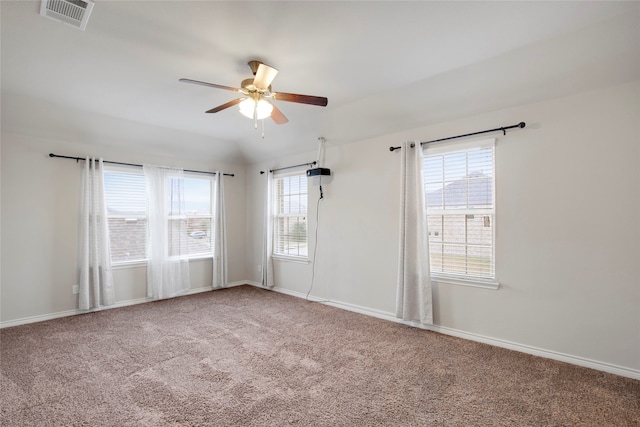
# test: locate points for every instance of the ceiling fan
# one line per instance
(256, 93)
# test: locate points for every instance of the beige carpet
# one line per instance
(250, 357)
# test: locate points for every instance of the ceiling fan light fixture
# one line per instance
(260, 110)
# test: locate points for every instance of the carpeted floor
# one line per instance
(250, 357)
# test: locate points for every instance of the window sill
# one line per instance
(131, 264)
(143, 263)
(299, 260)
(201, 257)
(463, 281)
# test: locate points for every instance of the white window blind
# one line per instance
(459, 190)
(126, 198)
(290, 215)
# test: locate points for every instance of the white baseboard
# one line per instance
(66, 313)
(549, 354)
(536, 351)
(39, 318)
(252, 283)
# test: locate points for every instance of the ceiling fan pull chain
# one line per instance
(262, 128)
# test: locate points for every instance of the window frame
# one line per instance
(191, 257)
(434, 149)
(275, 216)
(118, 169)
(186, 216)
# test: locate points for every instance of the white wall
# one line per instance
(40, 207)
(568, 228)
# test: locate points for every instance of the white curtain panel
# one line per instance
(267, 241)
(96, 280)
(220, 270)
(167, 262)
(413, 302)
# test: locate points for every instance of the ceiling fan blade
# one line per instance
(277, 116)
(224, 106)
(234, 89)
(301, 99)
(264, 76)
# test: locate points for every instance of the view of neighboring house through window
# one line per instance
(459, 190)
(290, 215)
(196, 223)
(126, 199)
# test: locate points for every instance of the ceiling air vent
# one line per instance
(73, 12)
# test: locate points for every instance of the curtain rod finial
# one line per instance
(521, 124)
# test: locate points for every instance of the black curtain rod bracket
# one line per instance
(503, 129)
(290, 167)
(77, 159)
(397, 148)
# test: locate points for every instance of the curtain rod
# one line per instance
(503, 129)
(134, 164)
(291, 167)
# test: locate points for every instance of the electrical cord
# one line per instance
(315, 246)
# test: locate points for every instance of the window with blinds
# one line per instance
(126, 200)
(290, 216)
(190, 232)
(459, 186)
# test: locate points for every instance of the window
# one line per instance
(126, 199)
(290, 215)
(459, 190)
(197, 221)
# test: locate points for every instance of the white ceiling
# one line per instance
(384, 66)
